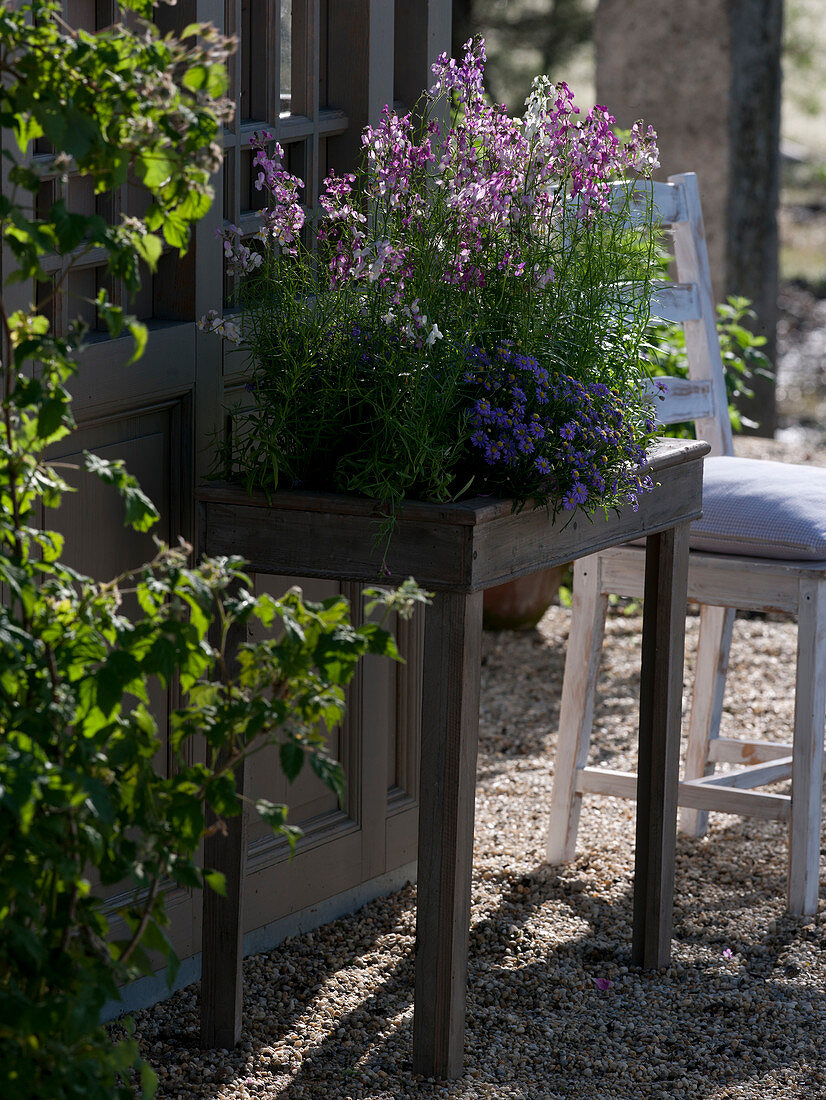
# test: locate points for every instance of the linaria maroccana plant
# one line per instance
(466, 317)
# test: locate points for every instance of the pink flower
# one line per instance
(603, 983)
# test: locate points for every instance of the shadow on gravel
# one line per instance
(735, 1006)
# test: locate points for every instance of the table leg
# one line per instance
(450, 726)
(663, 642)
(221, 947)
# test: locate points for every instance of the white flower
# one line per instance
(434, 335)
(211, 321)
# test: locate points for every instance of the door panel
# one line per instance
(162, 415)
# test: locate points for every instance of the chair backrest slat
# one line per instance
(703, 399)
(668, 200)
(676, 302)
(677, 400)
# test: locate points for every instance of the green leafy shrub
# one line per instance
(741, 351)
(81, 805)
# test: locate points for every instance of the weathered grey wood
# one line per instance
(772, 807)
(368, 725)
(701, 340)
(576, 710)
(450, 718)
(749, 584)
(716, 625)
(664, 454)
(163, 414)
(807, 768)
(681, 400)
(659, 753)
(465, 547)
(422, 33)
(756, 775)
(451, 543)
(221, 949)
(361, 41)
(733, 750)
(514, 545)
(338, 544)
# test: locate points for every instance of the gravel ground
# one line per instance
(554, 1007)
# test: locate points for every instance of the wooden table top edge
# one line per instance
(471, 512)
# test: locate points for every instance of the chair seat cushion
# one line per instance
(762, 509)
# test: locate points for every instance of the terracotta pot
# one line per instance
(520, 604)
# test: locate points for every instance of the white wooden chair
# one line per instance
(761, 546)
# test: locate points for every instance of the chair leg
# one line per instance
(807, 764)
(713, 647)
(577, 706)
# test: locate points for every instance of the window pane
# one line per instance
(286, 40)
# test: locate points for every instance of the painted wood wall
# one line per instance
(313, 73)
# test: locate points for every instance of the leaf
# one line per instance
(141, 513)
(161, 659)
(98, 799)
(149, 1081)
(216, 881)
(53, 121)
(176, 230)
(155, 169)
(292, 833)
(195, 77)
(217, 80)
(113, 677)
(330, 773)
(140, 335)
(379, 641)
(195, 205)
(52, 415)
(26, 129)
(149, 248)
(275, 814)
(292, 759)
(110, 314)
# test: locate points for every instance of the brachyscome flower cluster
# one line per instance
(573, 438)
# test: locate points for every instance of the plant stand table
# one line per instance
(457, 551)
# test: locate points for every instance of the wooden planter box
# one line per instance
(457, 551)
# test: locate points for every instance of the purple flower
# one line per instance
(578, 494)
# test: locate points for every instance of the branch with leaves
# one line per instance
(80, 798)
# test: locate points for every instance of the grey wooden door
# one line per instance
(312, 72)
